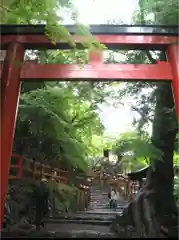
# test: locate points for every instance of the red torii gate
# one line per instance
(17, 38)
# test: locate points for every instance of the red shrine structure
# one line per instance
(17, 38)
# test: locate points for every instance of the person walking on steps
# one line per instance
(109, 196)
(114, 198)
(41, 196)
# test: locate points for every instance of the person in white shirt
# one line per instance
(114, 198)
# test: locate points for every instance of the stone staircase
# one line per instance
(100, 202)
(93, 223)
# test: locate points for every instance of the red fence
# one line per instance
(128, 187)
(125, 186)
(24, 168)
(21, 168)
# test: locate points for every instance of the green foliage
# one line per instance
(176, 188)
(52, 115)
(18, 200)
(62, 115)
(135, 148)
(48, 13)
(56, 122)
(63, 195)
(176, 159)
(134, 152)
(31, 11)
(160, 12)
(145, 94)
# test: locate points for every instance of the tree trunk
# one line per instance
(33, 168)
(154, 205)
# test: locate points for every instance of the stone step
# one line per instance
(99, 203)
(98, 198)
(98, 190)
(80, 231)
(103, 207)
(79, 221)
(64, 231)
(106, 204)
(100, 195)
(104, 211)
(85, 216)
(84, 234)
(106, 201)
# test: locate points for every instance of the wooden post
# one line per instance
(173, 57)
(20, 169)
(10, 82)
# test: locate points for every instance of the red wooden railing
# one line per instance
(27, 168)
(125, 186)
(17, 167)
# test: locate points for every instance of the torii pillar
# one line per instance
(173, 58)
(10, 87)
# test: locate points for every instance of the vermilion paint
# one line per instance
(10, 80)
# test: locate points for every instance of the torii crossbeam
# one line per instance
(17, 38)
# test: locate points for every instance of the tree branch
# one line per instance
(151, 59)
(144, 115)
(142, 20)
(74, 118)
